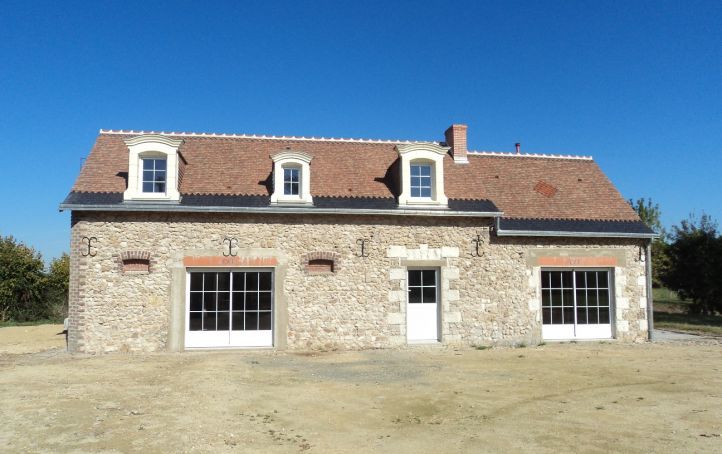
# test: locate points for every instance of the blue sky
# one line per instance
(638, 85)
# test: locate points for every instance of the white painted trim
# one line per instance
(152, 146)
(297, 159)
(427, 153)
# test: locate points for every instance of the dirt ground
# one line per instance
(584, 397)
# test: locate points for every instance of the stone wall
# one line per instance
(486, 299)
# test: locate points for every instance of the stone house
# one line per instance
(187, 241)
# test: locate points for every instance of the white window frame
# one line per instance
(292, 159)
(152, 146)
(154, 172)
(429, 154)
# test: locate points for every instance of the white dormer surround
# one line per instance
(152, 147)
(291, 178)
(423, 154)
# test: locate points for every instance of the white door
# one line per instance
(422, 309)
(229, 308)
(576, 304)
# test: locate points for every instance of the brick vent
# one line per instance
(545, 189)
(135, 261)
(321, 262)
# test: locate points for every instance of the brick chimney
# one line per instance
(456, 139)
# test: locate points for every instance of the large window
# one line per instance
(236, 301)
(291, 181)
(421, 183)
(154, 175)
(575, 297)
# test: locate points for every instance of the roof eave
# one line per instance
(551, 233)
(148, 207)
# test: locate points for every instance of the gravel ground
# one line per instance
(583, 397)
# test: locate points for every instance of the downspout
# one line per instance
(650, 299)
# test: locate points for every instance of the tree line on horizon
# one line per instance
(687, 260)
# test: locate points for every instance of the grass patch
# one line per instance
(670, 312)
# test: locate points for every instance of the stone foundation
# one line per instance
(491, 297)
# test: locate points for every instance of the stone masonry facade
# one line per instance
(488, 296)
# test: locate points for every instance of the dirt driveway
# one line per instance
(586, 397)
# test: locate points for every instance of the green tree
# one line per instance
(651, 214)
(695, 264)
(56, 292)
(22, 280)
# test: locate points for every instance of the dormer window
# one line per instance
(154, 175)
(422, 175)
(291, 181)
(153, 162)
(291, 178)
(421, 181)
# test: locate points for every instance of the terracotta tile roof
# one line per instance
(241, 166)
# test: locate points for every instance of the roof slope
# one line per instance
(522, 186)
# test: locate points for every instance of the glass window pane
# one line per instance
(568, 315)
(582, 315)
(252, 301)
(224, 301)
(591, 279)
(264, 301)
(237, 321)
(237, 304)
(239, 280)
(148, 187)
(425, 192)
(159, 187)
(567, 279)
(581, 298)
(604, 315)
(556, 297)
(556, 279)
(547, 316)
(568, 297)
(603, 277)
(425, 170)
(252, 280)
(160, 164)
(222, 321)
(147, 164)
(416, 181)
(581, 279)
(209, 301)
(209, 281)
(265, 281)
(196, 282)
(251, 321)
(545, 279)
(415, 170)
(593, 315)
(414, 295)
(429, 295)
(414, 277)
(591, 297)
(196, 323)
(224, 281)
(557, 316)
(603, 297)
(415, 192)
(428, 277)
(264, 320)
(287, 189)
(209, 321)
(147, 175)
(546, 298)
(196, 302)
